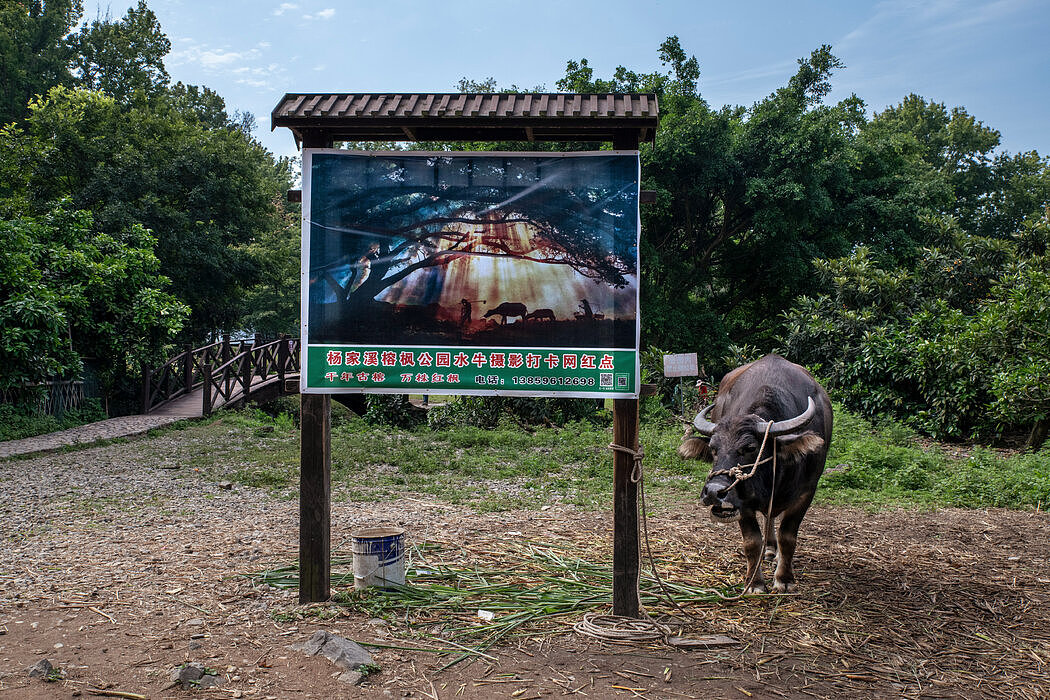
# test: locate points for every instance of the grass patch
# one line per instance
(510, 467)
(885, 465)
(18, 422)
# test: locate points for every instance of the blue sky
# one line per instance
(989, 56)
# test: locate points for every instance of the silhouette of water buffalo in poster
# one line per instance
(420, 249)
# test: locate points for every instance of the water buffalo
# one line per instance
(774, 396)
(508, 308)
(541, 315)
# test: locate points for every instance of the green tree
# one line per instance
(122, 57)
(1012, 330)
(953, 144)
(888, 339)
(746, 198)
(34, 53)
(272, 302)
(207, 192)
(69, 292)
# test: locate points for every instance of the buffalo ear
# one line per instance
(695, 447)
(797, 445)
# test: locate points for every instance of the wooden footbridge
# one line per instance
(198, 381)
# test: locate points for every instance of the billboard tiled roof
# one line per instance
(467, 116)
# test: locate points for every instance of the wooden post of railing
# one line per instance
(187, 369)
(257, 365)
(247, 371)
(226, 354)
(282, 359)
(206, 389)
(147, 377)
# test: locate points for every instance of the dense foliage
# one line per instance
(141, 212)
(69, 292)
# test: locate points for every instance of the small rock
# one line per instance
(313, 645)
(40, 669)
(195, 622)
(350, 677)
(345, 653)
(209, 681)
(187, 675)
(193, 646)
(226, 485)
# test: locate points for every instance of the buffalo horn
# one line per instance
(702, 424)
(782, 427)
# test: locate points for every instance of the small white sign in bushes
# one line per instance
(680, 365)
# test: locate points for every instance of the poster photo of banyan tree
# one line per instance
(471, 273)
(535, 250)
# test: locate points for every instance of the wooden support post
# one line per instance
(315, 514)
(227, 351)
(147, 377)
(187, 369)
(247, 372)
(206, 389)
(625, 491)
(625, 510)
(282, 359)
(315, 464)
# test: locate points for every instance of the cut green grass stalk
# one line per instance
(529, 589)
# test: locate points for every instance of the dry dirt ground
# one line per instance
(118, 573)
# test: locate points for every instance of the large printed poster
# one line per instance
(470, 273)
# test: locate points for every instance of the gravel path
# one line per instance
(125, 426)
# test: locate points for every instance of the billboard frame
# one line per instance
(614, 375)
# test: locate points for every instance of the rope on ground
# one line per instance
(624, 630)
(627, 630)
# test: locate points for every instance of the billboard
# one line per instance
(470, 273)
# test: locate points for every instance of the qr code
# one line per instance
(621, 381)
(605, 379)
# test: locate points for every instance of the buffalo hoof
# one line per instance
(784, 587)
(756, 588)
(770, 554)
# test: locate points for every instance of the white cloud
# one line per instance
(320, 67)
(326, 13)
(242, 66)
(285, 6)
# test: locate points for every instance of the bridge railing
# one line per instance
(226, 372)
(180, 375)
(232, 380)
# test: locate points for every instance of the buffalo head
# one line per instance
(732, 445)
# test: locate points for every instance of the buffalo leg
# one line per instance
(753, 544)
(770, 552)
(787, 537)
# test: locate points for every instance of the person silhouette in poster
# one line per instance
(588, 314)
(464, 313)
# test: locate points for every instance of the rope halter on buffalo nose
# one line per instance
(737, 472)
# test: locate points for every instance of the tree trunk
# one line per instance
(1039, 433)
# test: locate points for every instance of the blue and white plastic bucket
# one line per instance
(379, 557)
